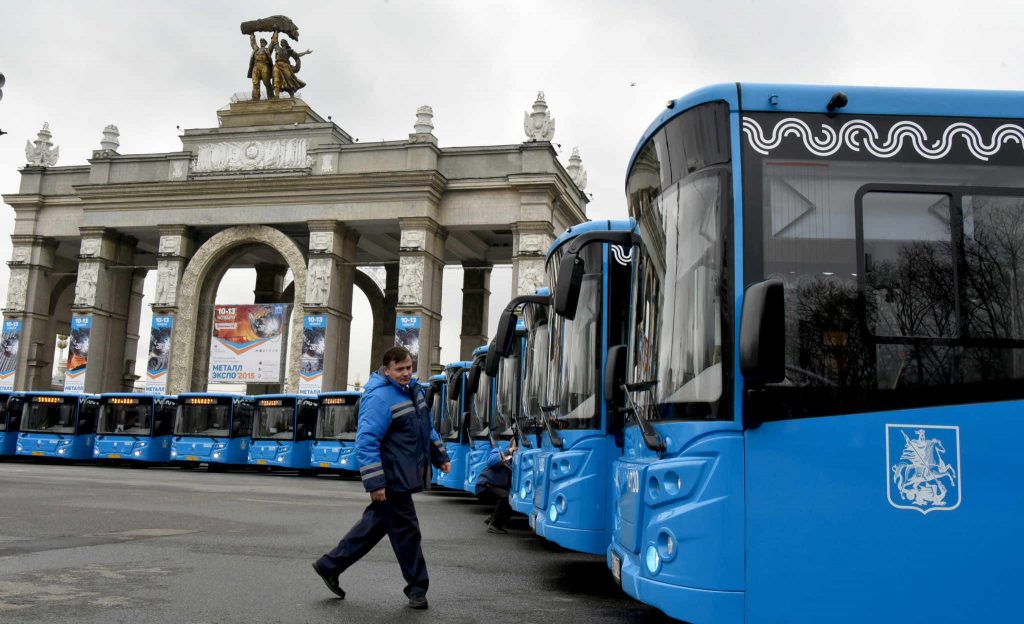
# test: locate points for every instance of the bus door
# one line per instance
(10, 422)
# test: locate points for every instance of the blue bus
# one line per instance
(573, 497)
(11, 404)
(533, 350)
(283, 430)
(212, 428)
(482, 430)
(825, 367)
(454, 430)
(135, 427)
(58, 425)
(335, 443)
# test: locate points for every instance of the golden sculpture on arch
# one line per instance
(272, 65)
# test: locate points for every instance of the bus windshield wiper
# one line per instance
(652, 438)
(556, 440)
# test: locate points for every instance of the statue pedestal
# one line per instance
(281, 111)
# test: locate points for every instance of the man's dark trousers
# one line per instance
(396, 518)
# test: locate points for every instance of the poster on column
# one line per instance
(159, 354)
(314, 344)
(407, 334)
(78, 354)
(248, 343)
(9, 342)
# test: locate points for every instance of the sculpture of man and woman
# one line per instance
(277, 74)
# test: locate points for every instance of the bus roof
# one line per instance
(283, 396)
(437, 377)
(482, 350)
(130, 395)
(462, 364)
(60, 394)
(602, 225)
(793, 98)
(334, 393)
(543, 292)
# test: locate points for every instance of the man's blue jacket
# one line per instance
(395, 440)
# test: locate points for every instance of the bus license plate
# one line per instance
(192, 458)
(261, 461)
(114, 456)
(616, 568)
(38, 453)
(325, 465)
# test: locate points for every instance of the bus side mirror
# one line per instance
(615, 375)
(455, 387)
(502, 343)
(568, 285)
(473, 380)
(763, 333)
(492, 361)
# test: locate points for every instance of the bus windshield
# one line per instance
(50, 416)
(202, 419)
(676, 194)
(274, 422)
(130, 417)
(577, 366)
(454, 408)
(337, 422)
(903, 278)
(536, 373)
(480, 411)
(508, 384)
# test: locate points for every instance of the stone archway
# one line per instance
(206, 261)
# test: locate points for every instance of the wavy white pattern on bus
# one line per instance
(857, 133)
(622, 256)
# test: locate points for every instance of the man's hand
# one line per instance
(378, 496)
(446, 468)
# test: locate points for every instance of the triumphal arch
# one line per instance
(276, 187)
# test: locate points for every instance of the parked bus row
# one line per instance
(794, 376)
(309, 434)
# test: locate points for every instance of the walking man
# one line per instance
(395, 446)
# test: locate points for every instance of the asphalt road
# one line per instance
(108, 544)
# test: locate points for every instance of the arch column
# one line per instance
(328, 292)
(476, 294)
(210, 261)
(530, 241)
(29, 294)
(103, 294)
(420, 276)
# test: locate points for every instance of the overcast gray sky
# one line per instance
(606, 68)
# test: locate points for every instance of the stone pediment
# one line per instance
(275, 112)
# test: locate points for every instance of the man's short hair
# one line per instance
(395, 354)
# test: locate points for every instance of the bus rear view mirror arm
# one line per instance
(571, 269)
(763, 333)
(507, 323)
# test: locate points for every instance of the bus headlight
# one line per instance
(60, 451)
(522, 492)
(552, 513)
(216, 454)
(666, 545)
(174, 452)
(137, 453)
(652, 559)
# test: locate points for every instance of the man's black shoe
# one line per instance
(496, 530)
(488, 519)
(417, 601)
(330, 581)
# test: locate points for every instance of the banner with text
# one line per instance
(159, 354)
(407, 334)
(9, 342)
(311, 363)
(248, 343)
(78, 354)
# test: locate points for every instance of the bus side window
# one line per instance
(163, 418)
